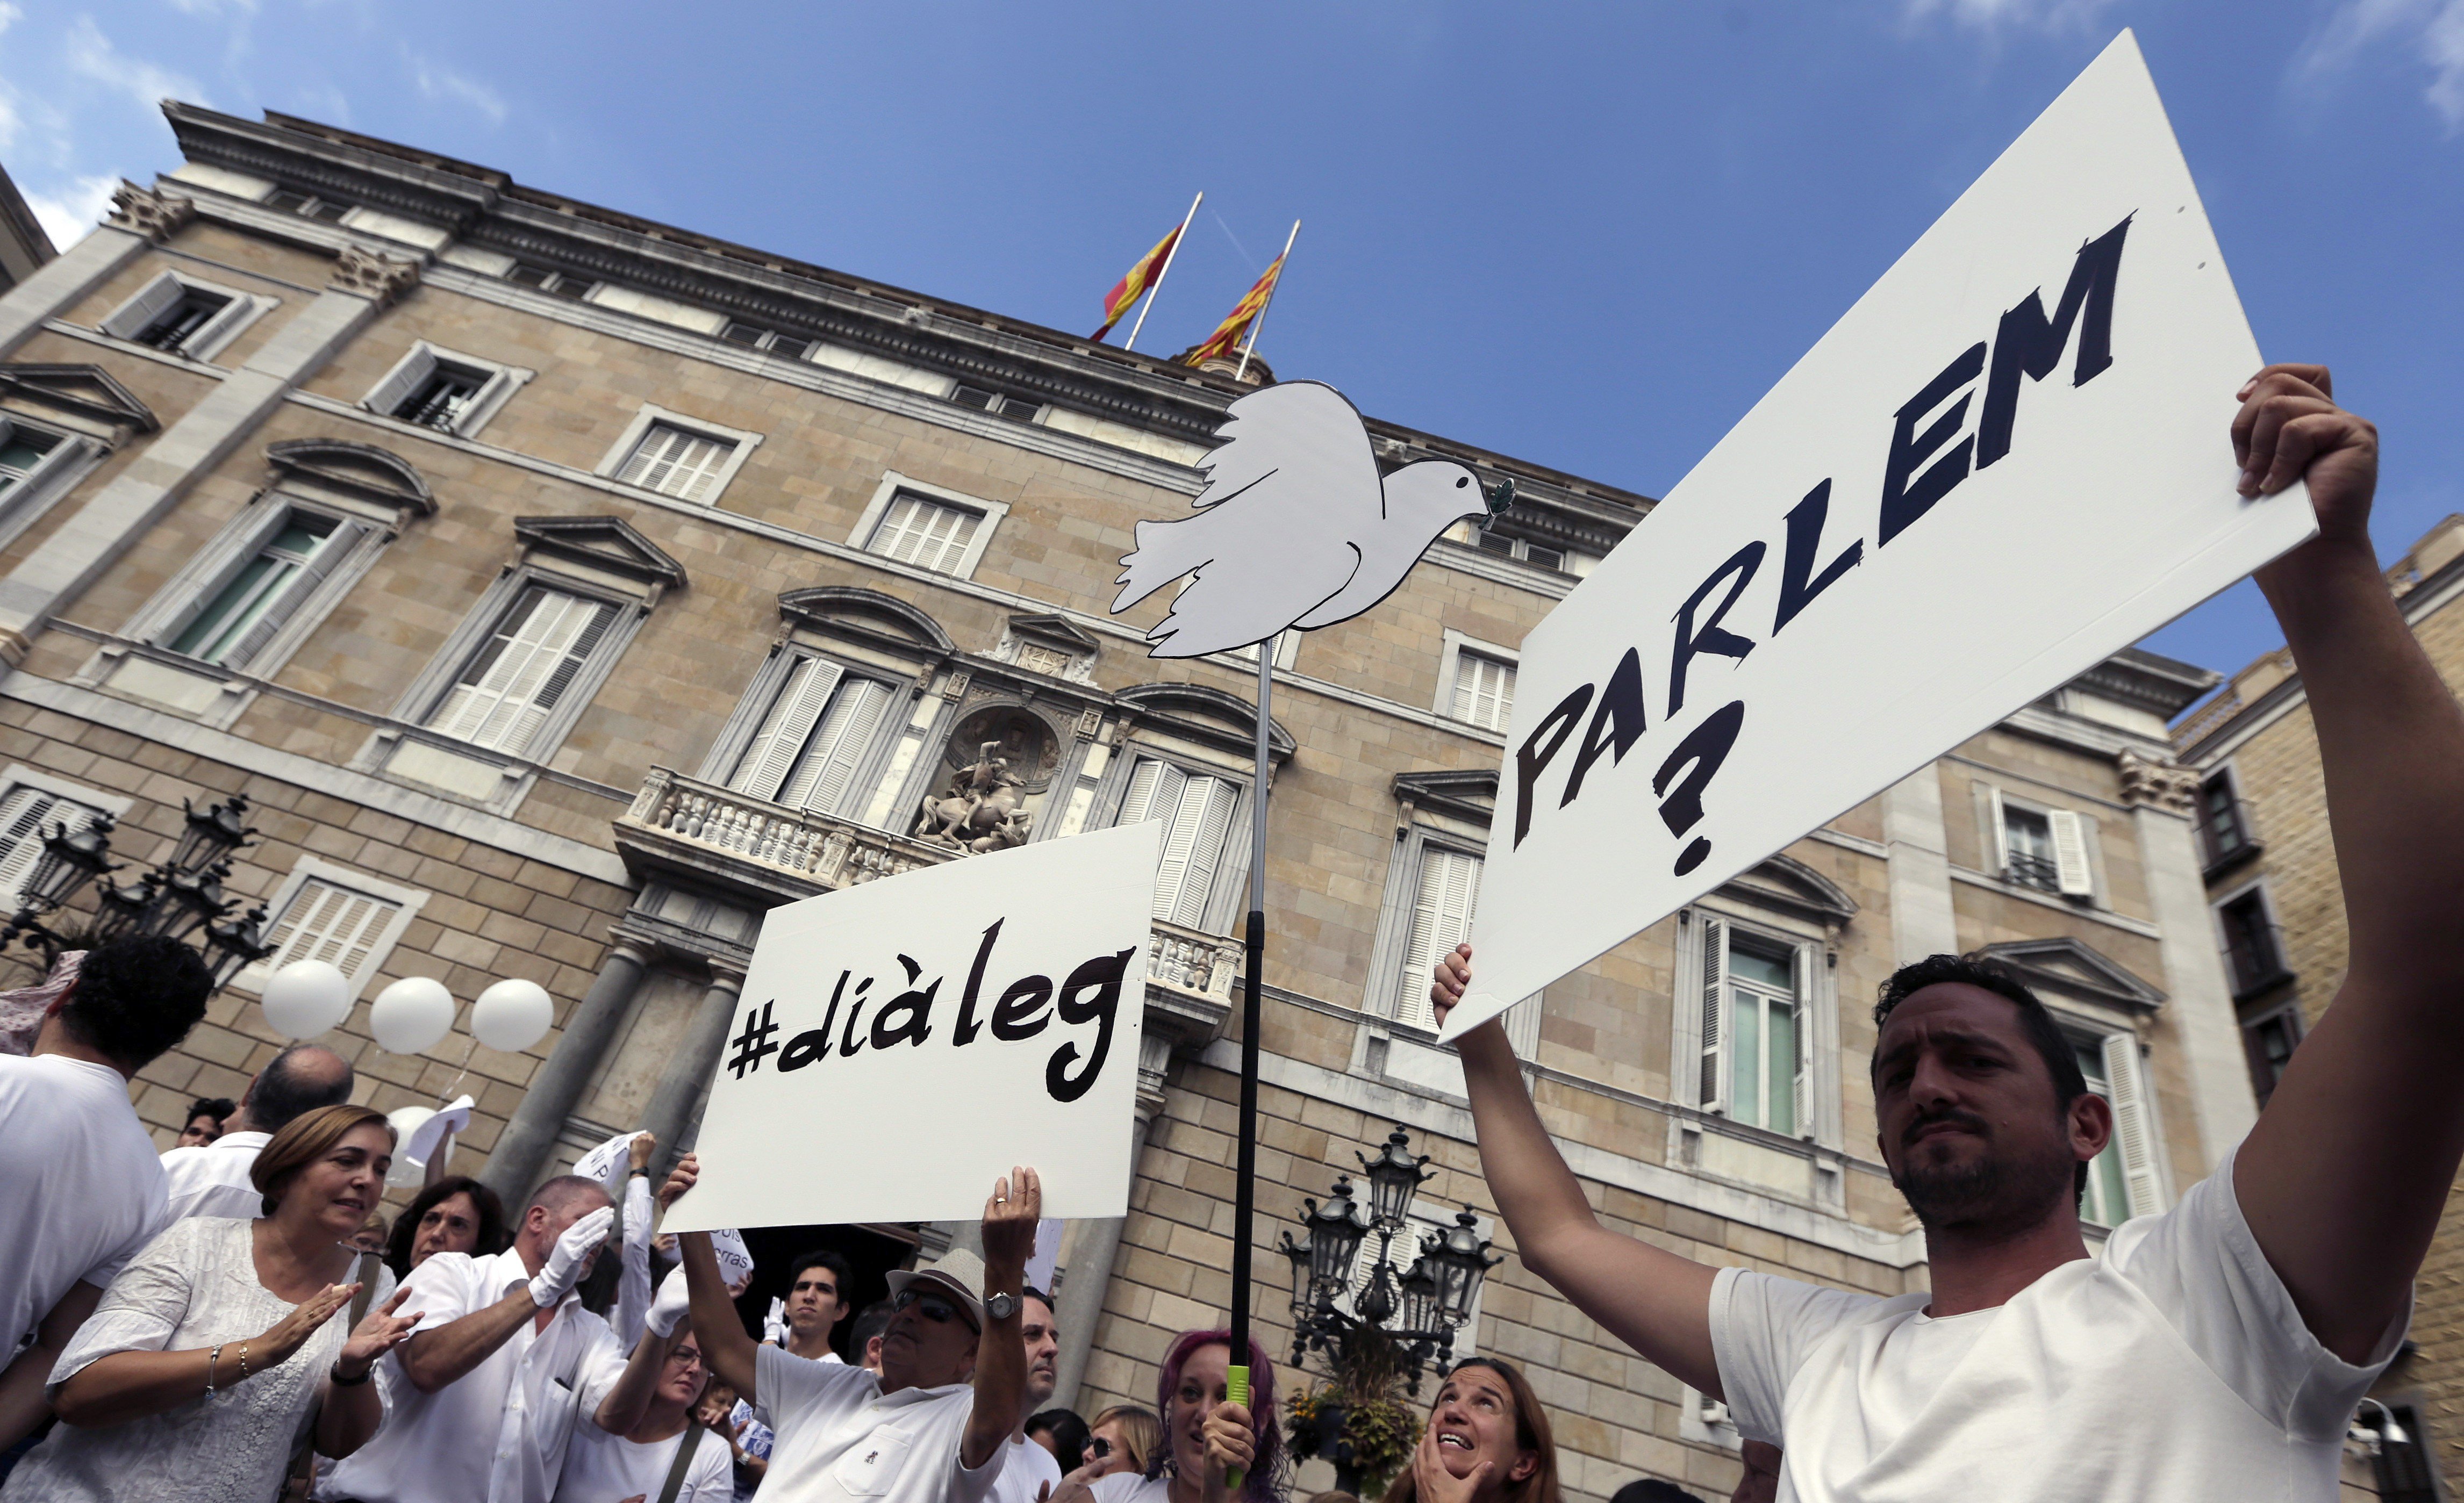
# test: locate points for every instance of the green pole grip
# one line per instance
(1236, 1390)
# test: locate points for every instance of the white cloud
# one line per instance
(8, 121)
(2433, 31)
(91, 53)
(69, 213)
(214, 7)
(9, 14)
(1996, 15)
(436, 82)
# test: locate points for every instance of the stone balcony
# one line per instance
(681, 830)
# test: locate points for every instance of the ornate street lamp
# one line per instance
(1408, 1321)
(182, 898)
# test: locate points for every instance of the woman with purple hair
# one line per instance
(1205, 1434)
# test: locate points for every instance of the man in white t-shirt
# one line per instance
(481, 1400)
(2215, 1351)
(81, 1188)
(933, 1426)
(212, 1180)
(1031, 1473)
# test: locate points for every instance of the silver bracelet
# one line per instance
(211, 1358)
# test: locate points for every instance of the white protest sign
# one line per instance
(734, 1259)
(608, 1163)
(937, 1028)
(2007, 461)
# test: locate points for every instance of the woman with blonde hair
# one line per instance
(1123, 1438)
(1487, 1441)
(216, 1355)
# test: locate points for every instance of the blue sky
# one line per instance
(1586, 234)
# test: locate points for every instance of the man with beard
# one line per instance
(2215, 1351)
(1031, 1475)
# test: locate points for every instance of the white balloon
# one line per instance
(512, 1015)
(305, 998)
(406, 1120)
(412, 1016)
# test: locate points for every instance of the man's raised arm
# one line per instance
(725, 1349)
(2344, 1176)
(1010, 1218)
(1653, 1300)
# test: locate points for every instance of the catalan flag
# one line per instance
(1226, 336)
(1140, 278)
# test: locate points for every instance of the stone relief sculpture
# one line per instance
(981, 810)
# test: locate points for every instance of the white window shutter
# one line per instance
(1714, 1093)
(1441, 917)
(2000, 831)
(401, 381)
(2132, 1131)
(1803, 979)
(1180, 813)
(2070, 853)
(1216, 798)
(762, 770)
(218, 329)
(537, 652)
(331, 550)
(129, 319)
(1138, 804)
(332, 923)
(846, 736)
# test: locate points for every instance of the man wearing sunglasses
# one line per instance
(933, 1426)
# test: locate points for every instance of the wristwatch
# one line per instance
(1000, 1307)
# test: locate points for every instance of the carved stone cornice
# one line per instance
(378, 278)
(155, 215)
(2169, 786)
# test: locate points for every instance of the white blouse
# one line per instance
(194, 1286)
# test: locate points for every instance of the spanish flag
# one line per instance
(1141, 277)
(1226, 336)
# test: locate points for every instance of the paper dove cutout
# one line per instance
(1295, 527)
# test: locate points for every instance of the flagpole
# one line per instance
(1245, 1145)
(1282, 261)
(1177, 236)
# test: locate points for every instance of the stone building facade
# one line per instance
(2270, 865)
(565, 589)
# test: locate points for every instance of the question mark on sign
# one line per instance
(1706, 745)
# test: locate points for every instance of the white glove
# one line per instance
(671, 1306)
(564, 1264)
(773, 1325)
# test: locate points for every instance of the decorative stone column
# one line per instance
(2160, 796)
(1922, 921)
(121, 513)
(1088, 1275)
(677, 1099)
(523, 1148)
(140, 218)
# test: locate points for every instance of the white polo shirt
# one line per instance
(211, 1179)
(81, 1189)
(841, 1440)
(1024, 1476)
(501, 1432)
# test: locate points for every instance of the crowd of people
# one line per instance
(235, 1318)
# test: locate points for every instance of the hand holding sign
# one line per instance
(1010, 1219)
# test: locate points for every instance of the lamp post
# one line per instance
(182, 898)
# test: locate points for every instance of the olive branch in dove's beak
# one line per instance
(1499, 496)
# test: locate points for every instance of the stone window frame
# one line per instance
(539, 561)
(871, 768)
(1174, 732)
(989, 512)
(1817, 1021)
(1419, 831)
(2260, 884)
(310, 867)
(1227, 891)
(1450, 663)
(215, 336)
(72, 456)
(1990, 799)
(420, 362)
(744, 442)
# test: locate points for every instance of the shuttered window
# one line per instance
(1757, 1051)
(676, 461)
(931, 534)
(1196, 811)
(1442, 914)
(27, 815)
(504, 695)
(2044, 849)
(1484, 691)
(2122, 1181)
(232, 625)
(813, 739)
(328, 922)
